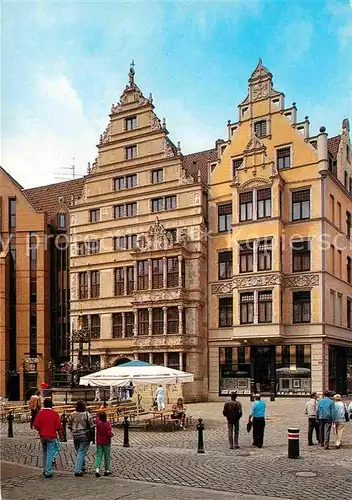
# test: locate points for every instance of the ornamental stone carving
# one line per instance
(73, 286)
(105, 137)
(177, 294)
(165, 341)
(257, 281)
(156, 239)
(194, 198)
(154, 123)
(222, 288)
(260, 91)
(185, 178)
(73, 219)
(301, 280)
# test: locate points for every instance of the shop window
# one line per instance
(263, 203)
(301, 204)
(143, 278)
(119, 281)
(117, 325)
(143, 322)
(172, 320)
(225, 265)
(247, 308)
(300, 256)
(225, 311)
(265, 306)
(234, 370)
(293, 369)
(246, 257)
(224, 217)
(264, 255)
(158, 321)
(301, 307)
(246, 206)
(172, 272)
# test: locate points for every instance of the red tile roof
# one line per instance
(46, 198)
(333, 145)
(199, 161)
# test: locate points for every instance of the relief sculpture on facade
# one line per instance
(73, 287)
(302, 280)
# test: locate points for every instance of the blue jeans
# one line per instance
(81, 445)
(49, 448)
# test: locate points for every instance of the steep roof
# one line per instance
(46, 198)
(199, 161)
(333, 145)
(9, 176)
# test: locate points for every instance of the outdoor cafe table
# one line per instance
(163, 414)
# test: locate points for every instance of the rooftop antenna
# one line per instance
(68, 176)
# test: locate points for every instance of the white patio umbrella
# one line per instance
(137, 372)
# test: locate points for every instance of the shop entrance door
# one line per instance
(263, 369)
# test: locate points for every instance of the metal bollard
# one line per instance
(251, 397)
(272, 391)
(10, 419)
(64, 422)
(126, 442)
(200, 429)
(293, 442)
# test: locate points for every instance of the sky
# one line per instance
(64, 63)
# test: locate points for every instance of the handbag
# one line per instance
(90, 431)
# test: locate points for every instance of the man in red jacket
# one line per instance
(48, 423)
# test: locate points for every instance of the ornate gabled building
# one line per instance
(138, 247)
(280, 289)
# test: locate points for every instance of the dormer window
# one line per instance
(62, 221)
(131, 123)
(260, 128)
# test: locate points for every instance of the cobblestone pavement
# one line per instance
(171, 457)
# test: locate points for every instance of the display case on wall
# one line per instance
(239, 385)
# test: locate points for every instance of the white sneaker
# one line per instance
(97, 473)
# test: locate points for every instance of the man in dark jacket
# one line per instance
(233, 412)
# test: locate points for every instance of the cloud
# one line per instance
(340, 14)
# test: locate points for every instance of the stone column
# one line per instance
(164, 272)
(135, 327)
(180, 363)
(123, 325)
(165, 358)
(151, 357)
(180, 259)
(255, 306)
(255, 256)
(89, 284)
(180, 320)
(150, 283)
(125, 280)
(165, 320)
(150, 316)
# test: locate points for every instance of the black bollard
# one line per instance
(251, 397)
(272, 391)
(10, 419)
(64, 422)
(200, 429)
(293, 442)
(126, 424)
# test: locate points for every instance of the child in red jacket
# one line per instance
(103, 440)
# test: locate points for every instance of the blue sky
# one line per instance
(64, 64)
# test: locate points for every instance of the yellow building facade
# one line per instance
(279, 291)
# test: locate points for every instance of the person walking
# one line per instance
(257, 417)
(160, 397)
(80, 424)
(48, 424)
(34, 405)
(325, 415)
(103, 440)
(233, 412)
(340, 411)
(311, 412)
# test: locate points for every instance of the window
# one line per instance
(246, 206)
(300, 256)
(339, 216)
(283, 158)
(225, 311)
(143, 322)
(224, 217)
(119, 243)
(264, 255)
(332, 207)
(130, 241)
(263, 203)
(12, 212)
(94, 246)
(172, 272)
(236, 163)
(246, 257)
(130, 280)
(333, 305)
(246, 308)
(157, 176)
(171, 235)
(62, 221)
(349, 312)
(119, 281)
(117, 325)
(83, 285)
(260, 128)
(346, 180)
(225, 265)
(172, 320)
(348, 224)
(119, 183)
(332, 165)
(94, 215)
(131, 123)
(301, 307)
(158, 358)
(157, 205)
(143, 280)
(170, 202)
(119, 211)
(129, 324)
(131, 181)
(332, 258)
(95, 325)
(265, 306)
(301, 204)
(95, 284)
(173, 360)
(81, 248)
(131, 152)
(349, 269)
(157, 273)
(131, 209)
(158, 321)
(339, 263)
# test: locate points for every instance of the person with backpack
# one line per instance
(81, 425)
(103, 440)
(233, 412)
(34, 405)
